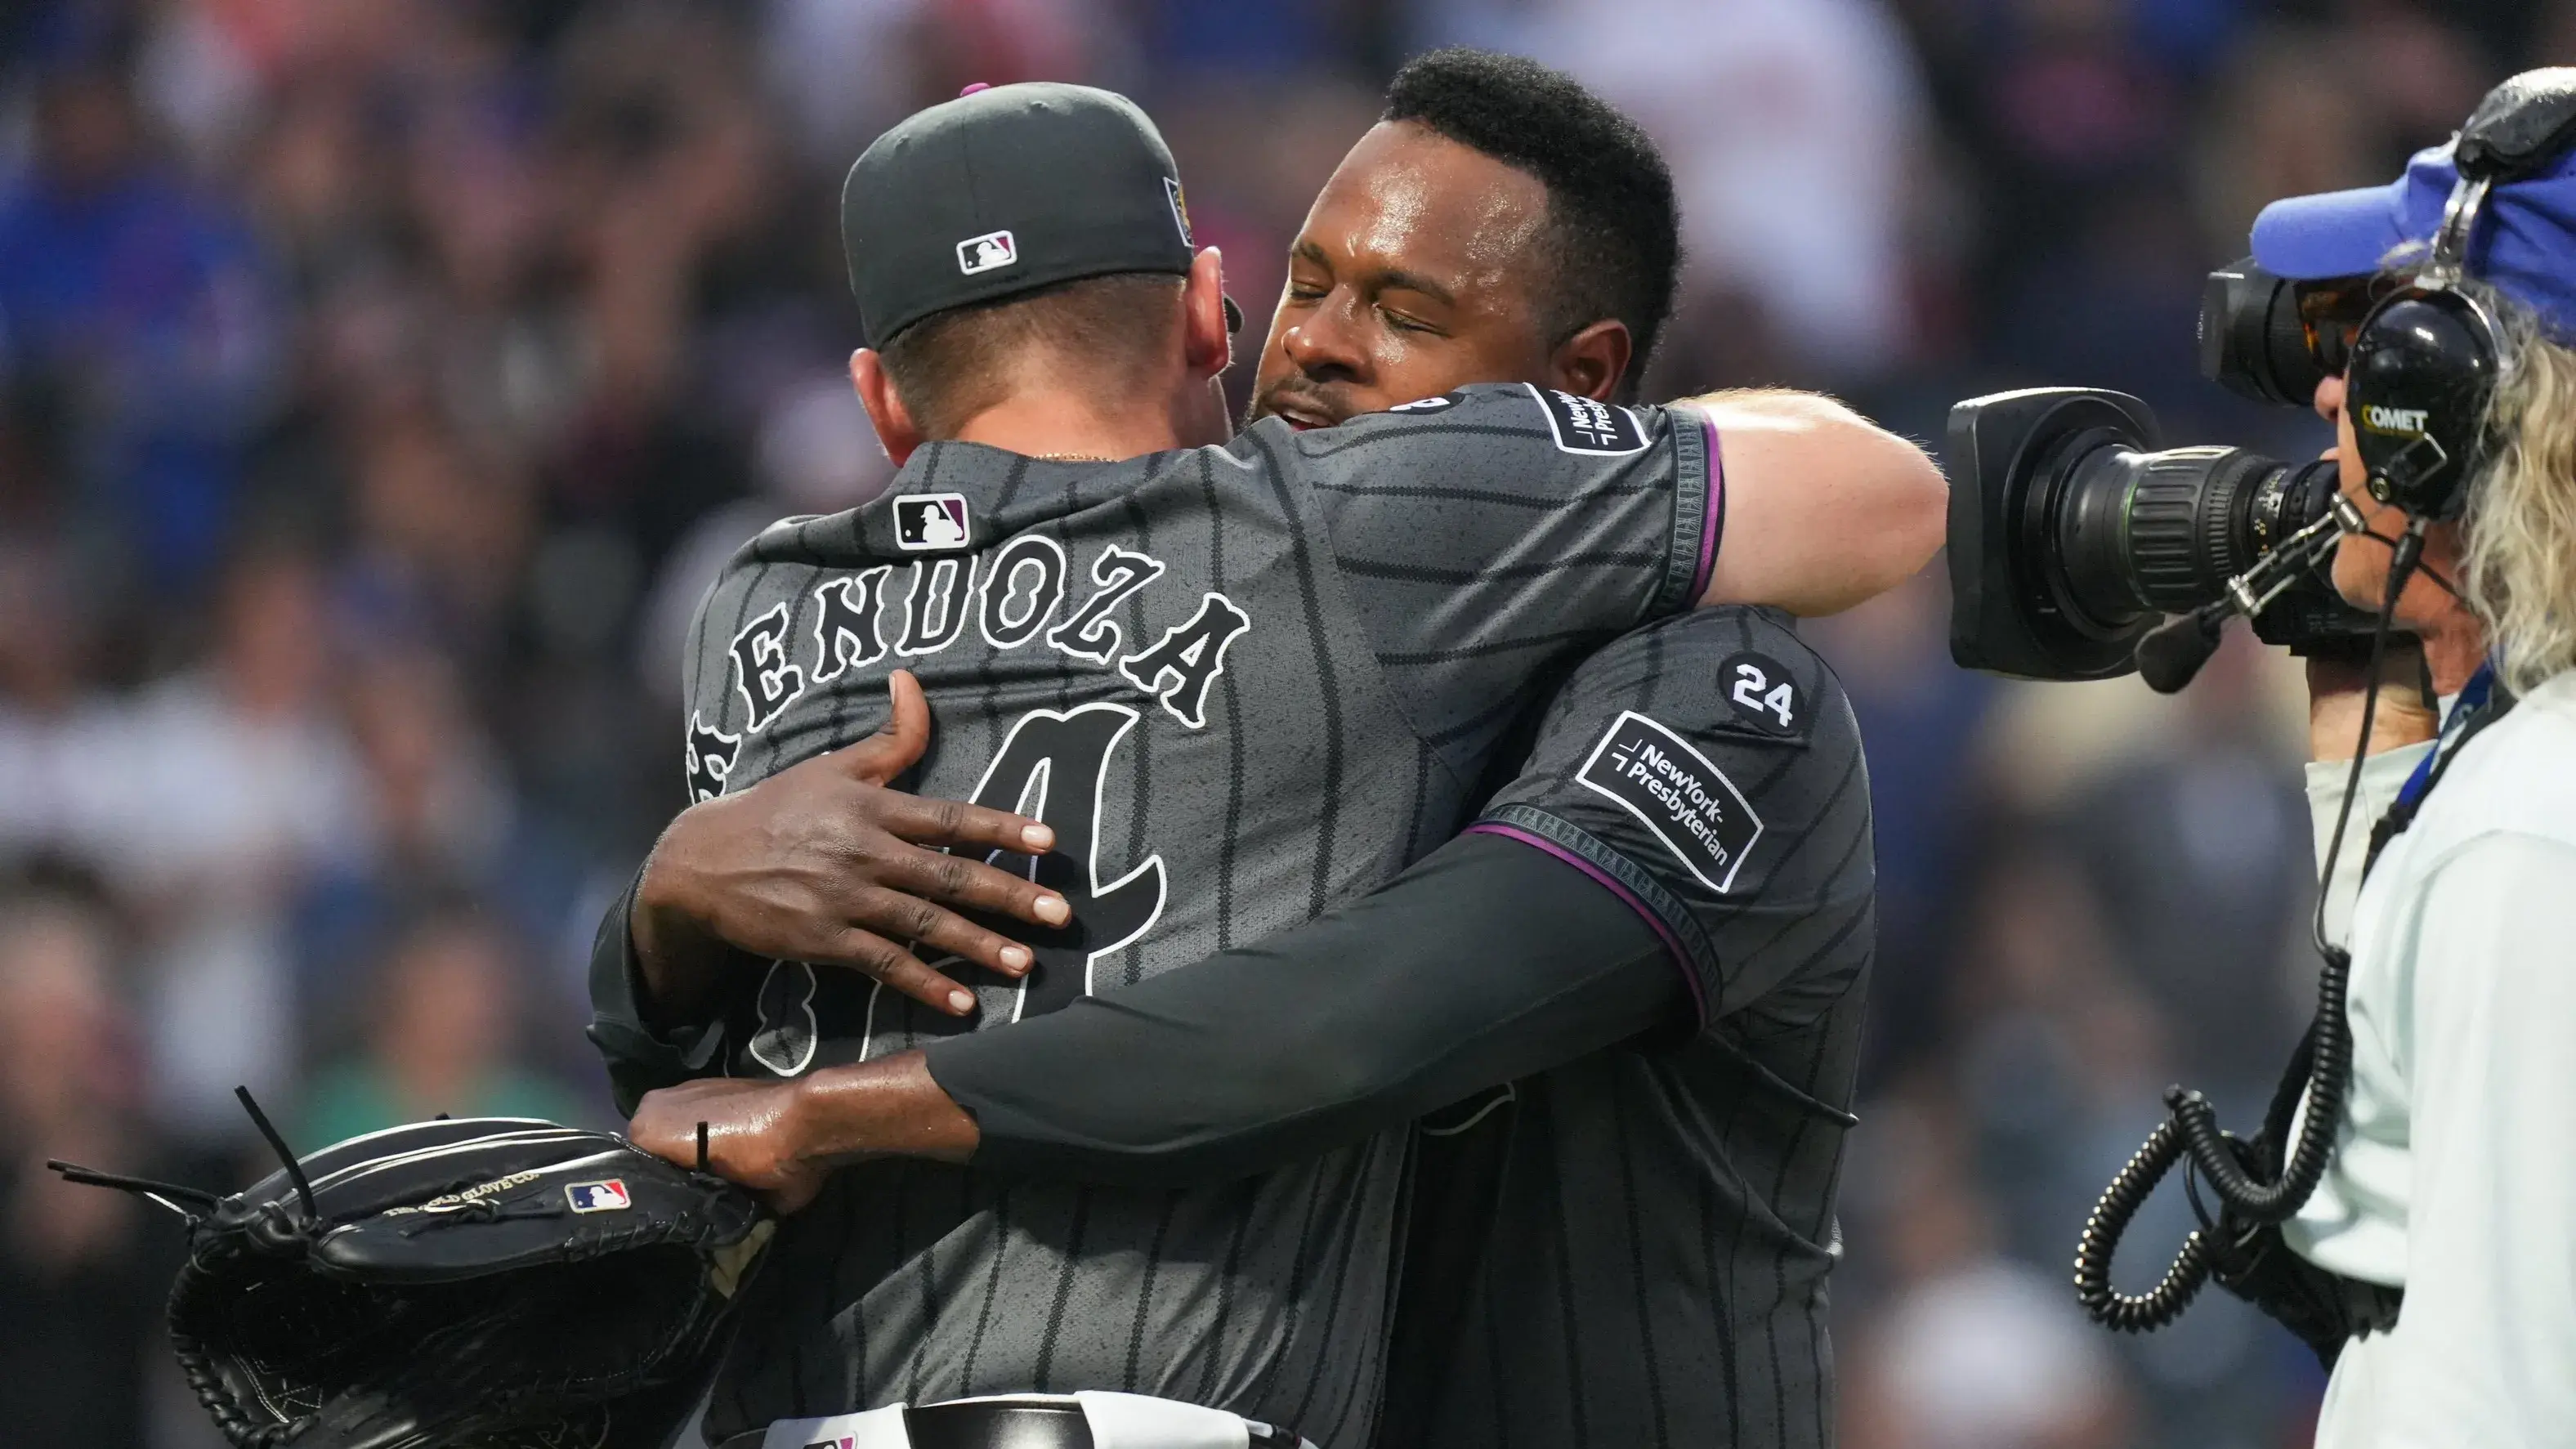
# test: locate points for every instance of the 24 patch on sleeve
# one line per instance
(1676, 793)
(1761, 692)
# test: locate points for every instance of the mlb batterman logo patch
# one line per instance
(990, 252)
(598, 1197)
(930, 522)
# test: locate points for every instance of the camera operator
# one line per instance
(2408, 1207)
(2450, 1178)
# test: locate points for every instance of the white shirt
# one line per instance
(61, 778)
(229, 807)
(1993, 1353)
(2454, 1173)
(1790, 126)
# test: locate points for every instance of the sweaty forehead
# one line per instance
(1408, 198)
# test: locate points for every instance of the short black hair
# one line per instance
(1616, 243)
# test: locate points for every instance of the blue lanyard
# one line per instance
(2473, 697)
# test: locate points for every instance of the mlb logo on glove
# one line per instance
(598, 1197)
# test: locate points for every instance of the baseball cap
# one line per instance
(2524, 246)
(1005, 190)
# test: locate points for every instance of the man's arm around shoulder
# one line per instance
(1483, 963)
(1823, 508)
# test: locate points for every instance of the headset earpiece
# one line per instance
(2424, 362)
(2423, 368)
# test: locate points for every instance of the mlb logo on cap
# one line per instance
(1083, 166)
(926, 522)
(598, 1197)
(990, 252)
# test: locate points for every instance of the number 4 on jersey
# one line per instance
(1053, 768)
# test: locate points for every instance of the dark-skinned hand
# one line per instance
(823, 863)
(754, 1137)
(782, 1139)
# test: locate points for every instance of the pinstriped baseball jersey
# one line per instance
(1243, 683)
(1632, 1249)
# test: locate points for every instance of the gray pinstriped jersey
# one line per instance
(1633, 1249)
(1243, 683)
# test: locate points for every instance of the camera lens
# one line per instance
(2071, 535)
(2142, 533)
(2252, 339)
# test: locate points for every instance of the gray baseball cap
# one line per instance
(1005, 190)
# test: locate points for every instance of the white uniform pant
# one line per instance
(1116, 1421)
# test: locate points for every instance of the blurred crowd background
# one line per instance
(381, 380)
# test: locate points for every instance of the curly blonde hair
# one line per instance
(2520, 528)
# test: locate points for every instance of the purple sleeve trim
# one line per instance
(1713, 518)
(1672, 946)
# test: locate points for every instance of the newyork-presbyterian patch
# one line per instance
(1675, 792)
(1585, 425)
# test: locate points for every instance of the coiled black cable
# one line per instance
(2110, 1219)
(2192, 1128)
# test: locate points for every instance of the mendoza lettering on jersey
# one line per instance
(1010, 594)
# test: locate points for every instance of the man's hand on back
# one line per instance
(822, 863)
(782, 1139)
(752, 1135)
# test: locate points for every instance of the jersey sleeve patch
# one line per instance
(1686, 802)
(1585, 425)
(1763, 693)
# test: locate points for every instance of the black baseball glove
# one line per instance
(469, 1284)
